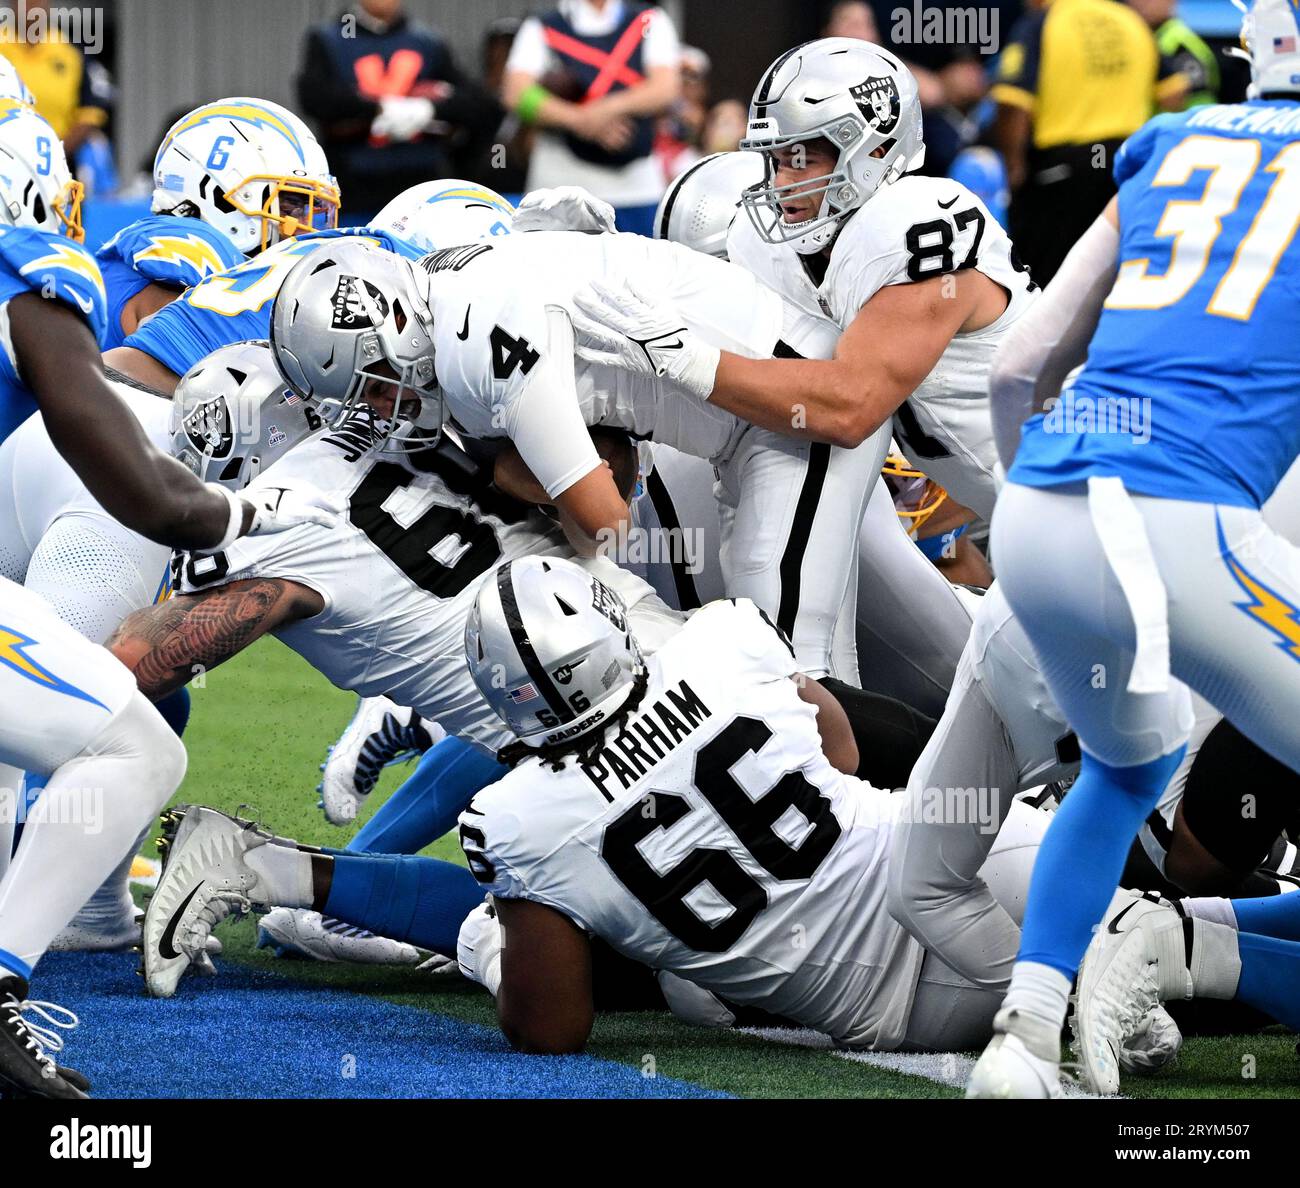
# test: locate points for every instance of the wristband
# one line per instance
(235, 525)
(530, 102)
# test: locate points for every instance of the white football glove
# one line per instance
(563, 208)
(622, 328)
(478, 947)
(402, 117)
(277, 509)
(1153, 1046)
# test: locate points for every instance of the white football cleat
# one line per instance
(304, 933)
(381, 732)
(1119, 982)
(87, 934)
(1022, 1060)
(205, 879)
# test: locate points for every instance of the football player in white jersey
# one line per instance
(915, 271)
(466, 341)
(230, 416)
(70, 710)
(911, 626)
(696, 818)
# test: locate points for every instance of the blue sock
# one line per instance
(1270, 972)
(175, 709)
(1082, 857)
(420, 900)
(1275, 915)
(427, 804)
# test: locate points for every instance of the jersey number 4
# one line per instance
(665, 895)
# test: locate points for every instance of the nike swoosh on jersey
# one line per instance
(463, 332)
(87, 306)
(946, 205)
(1113, 926)
(165, 946)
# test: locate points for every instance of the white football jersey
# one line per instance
(710, 837)
(909, 231)
(399, 573)
(506, 370)
(39, 487)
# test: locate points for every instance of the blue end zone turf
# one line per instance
(254, 1034)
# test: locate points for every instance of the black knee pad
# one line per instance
(890, 734)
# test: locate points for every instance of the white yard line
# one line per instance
(947, 1068)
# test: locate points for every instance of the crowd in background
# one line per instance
(605, 94)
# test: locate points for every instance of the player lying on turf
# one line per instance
(692, 821)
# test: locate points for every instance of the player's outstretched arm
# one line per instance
(880, 360)
(167, 645)
(99, 436)
(887, 350)
(544, 1003)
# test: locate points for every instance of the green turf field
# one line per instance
(260, 727)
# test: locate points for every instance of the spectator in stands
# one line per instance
(71, 90)
(1076, 78)
(393, 107)
(724, 128)
(680, 130)
(503, 161)
(1182, 49)
(593, 76)
(949, 77)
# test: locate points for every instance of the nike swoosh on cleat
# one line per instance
(1112, 926)
(950, 201)
(463, 332)
(165, 946)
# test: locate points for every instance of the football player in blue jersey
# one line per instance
(1138, 562)
(71, 711)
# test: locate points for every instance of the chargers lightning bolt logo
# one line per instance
(13, 654)
(249, 113)
(1265, 605)
(180, 250)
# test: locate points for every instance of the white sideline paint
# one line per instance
(946, 1068)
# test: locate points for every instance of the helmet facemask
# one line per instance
(291, 206)
(414, 420)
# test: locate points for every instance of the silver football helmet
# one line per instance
(352, 325)
(859, 98)
(549, 648)
(1270, 37)
(233, 415)
(701, 204)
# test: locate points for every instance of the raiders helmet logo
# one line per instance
(209, 430)
(358, 305)
(879, 101)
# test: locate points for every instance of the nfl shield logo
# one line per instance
(879, 102)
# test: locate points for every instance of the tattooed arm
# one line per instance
(165, 645)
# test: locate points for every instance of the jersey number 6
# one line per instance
(752, 821)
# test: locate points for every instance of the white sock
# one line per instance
(92, 809)
(1210, 907)
(1039, 990)
(285, 874)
